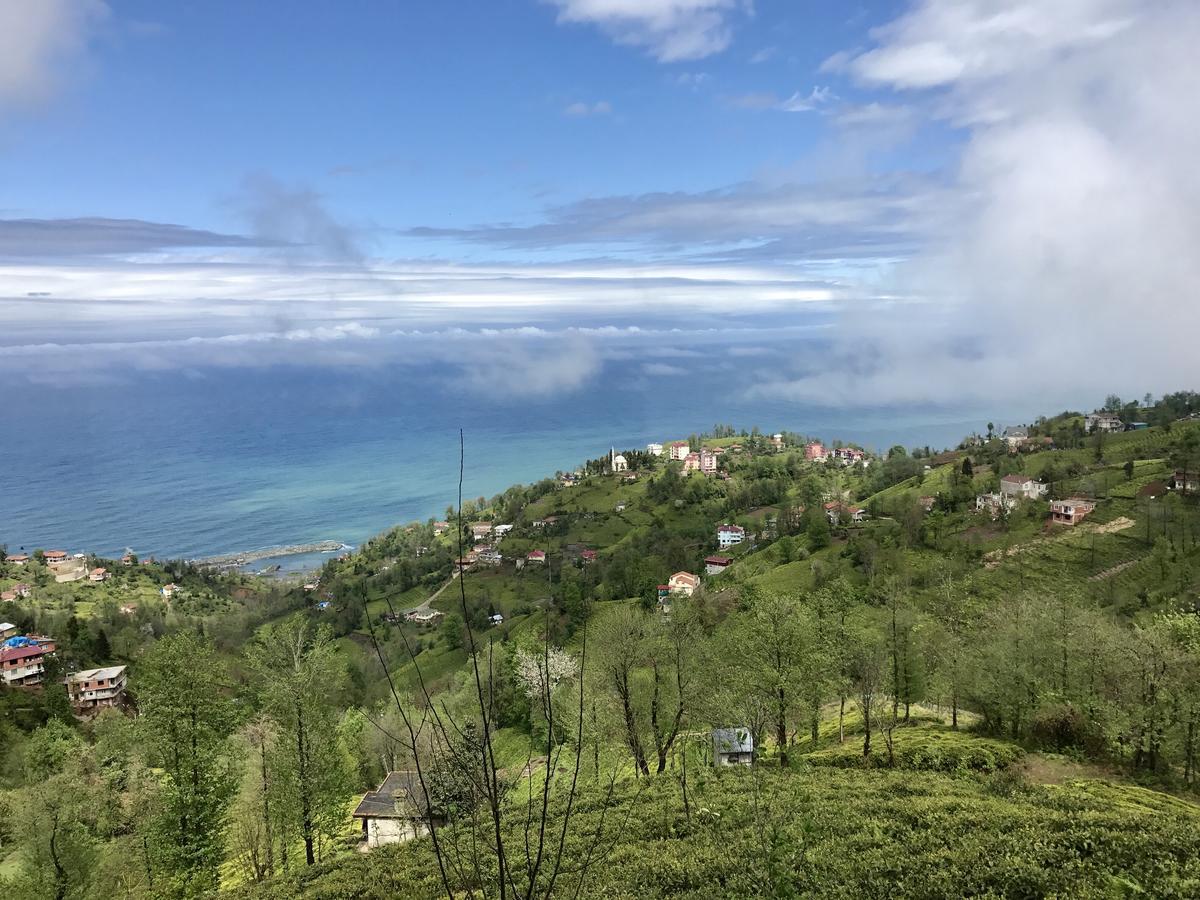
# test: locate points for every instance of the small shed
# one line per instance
(396, 813)
(733, 746)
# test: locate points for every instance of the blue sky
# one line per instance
(913, 176)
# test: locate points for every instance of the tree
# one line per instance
(298, 673)
(967, 468)
(187, 717)
(775, 636)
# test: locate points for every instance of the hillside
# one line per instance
(945, 692)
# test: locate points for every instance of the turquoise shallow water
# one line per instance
(195, 464)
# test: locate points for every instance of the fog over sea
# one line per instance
(200, 462)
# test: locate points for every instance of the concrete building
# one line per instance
(400, 811)
(715, 565)
(684, 583)
(94, 689)
(22, 660)
(654, 449)
(1071, 511)
(1022, 487)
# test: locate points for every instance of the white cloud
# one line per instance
(39, 39)
(763, 55)
(670, 30)
(942, 42)
(806, 102)
(660, 370)
(1064, 254)
(579, 109)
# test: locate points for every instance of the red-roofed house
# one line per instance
(815, 451)
(23, 665)
(691, 463)
(680, 450)
(98, 575)
(588, 556)
(683, 583)
(728, 535)
(18, 559)
(55, 557)
(840, 512)
(715, 565)
(536, 556)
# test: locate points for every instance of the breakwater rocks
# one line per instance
(234, 560)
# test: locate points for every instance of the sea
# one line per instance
(194, 463)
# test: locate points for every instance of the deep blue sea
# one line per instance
(193, 463)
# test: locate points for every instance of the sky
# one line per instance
(964, 200)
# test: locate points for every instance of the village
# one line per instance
(713, 521)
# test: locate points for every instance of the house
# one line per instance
(18, 559)
(715, 565)
(684, 583)
(1022, 487)
(927, 503)
(98, 575)
(501, 530)
(680, 450)
(838, 512)
(398, 812)
(654, 449)
(588, 556)
(733, 747)
(440, 527)
(708, 461)
(95, 689)
(814, 451)
(168, 591)
(8, 596)
(481, 531)
(22, 590)
(1188, 482)
(128, 609)
(849, 456)
(620, 507)
(22, 660)
(1015, 436)
(618, 462)
(691, 463)
(995, 504)
(495, 619)
(535, 556)
(7, 630)
(1104, 422)
(1137, 426)
(777, 442)
(1071, 511)
(424, 616)
(55, 557)
(127, 560)
(728, 535)
(490, 556)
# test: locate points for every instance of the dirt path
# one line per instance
(1114, 570)
(424, 607)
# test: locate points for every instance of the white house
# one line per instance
(728, 535)
(1103, 421)
(654, 449)
(398, 812)
(680, 450)
(994, 504)
(708, 461)
(496, 619)
(1022, 487)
